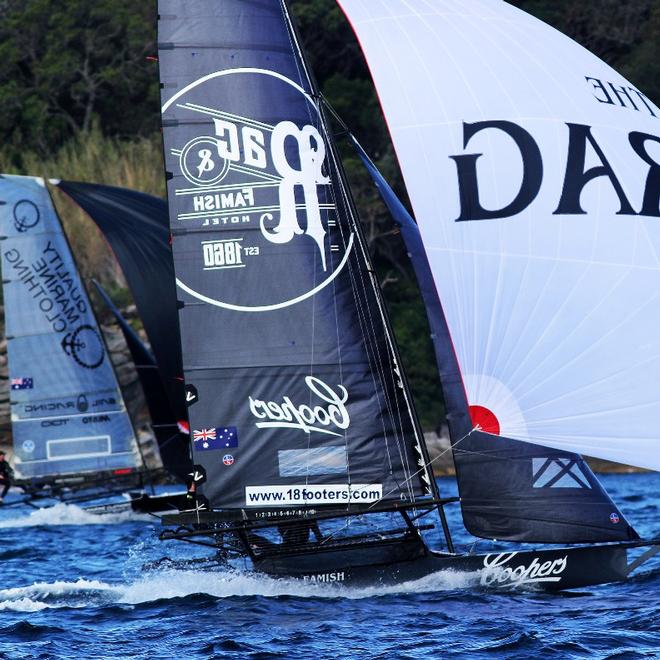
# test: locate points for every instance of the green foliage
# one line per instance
(90, 156)
(412, 332)
(80, 101)
(64, 65)
(624, 34)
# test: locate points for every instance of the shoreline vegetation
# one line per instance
(80, 89)
(443, 463)
(138, 164)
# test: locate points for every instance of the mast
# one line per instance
(423, 473)
(290, 373)
(426, 478)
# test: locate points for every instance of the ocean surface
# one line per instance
(73, 585)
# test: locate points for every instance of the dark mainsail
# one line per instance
(296, 399)
(68, 415)
(173, 445)
(510, 490)
(137, 228)
(295, 394)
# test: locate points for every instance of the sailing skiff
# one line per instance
(72, 435)
(531, 170)
(73, 438)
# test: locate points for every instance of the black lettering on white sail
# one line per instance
(298, 400)
(68, 415)
(509, 489)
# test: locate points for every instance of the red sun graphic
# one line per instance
(485, 420)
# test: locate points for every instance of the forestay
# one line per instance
(295, 397)
(533, 171)
(67, 412)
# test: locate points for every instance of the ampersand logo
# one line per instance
(200, 162)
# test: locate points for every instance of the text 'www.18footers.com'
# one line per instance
(305, 494)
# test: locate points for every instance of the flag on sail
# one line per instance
(215, 438)
(22, 383)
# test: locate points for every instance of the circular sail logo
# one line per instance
(26, 215)
(258, 224)
(85, 346)
(200, 163)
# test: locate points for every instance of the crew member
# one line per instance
(191, 494)
(298, 532)
(6, 475)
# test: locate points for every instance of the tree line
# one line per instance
(88, 67)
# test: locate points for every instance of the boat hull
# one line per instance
(544, 570)
(142, 502)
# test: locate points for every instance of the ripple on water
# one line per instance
(77, 589)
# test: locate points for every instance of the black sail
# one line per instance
(136, 226)
(173, 444)
(295, 396)
(510, 490)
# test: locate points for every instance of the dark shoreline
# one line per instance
(599, 466)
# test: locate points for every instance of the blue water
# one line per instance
(73, 586)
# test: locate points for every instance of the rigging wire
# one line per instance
(369, 322)
(422, 469)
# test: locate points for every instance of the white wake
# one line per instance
(170, 584)
(69, 514)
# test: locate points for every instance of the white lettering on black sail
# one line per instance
(282, 328)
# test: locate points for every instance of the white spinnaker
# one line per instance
(555, 318)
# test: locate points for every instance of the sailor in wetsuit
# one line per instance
(6, 475)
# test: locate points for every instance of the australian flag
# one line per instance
(220, 437)
(22, 383)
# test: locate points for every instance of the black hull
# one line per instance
(145, 503)
(397, 556)
(541, 570)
